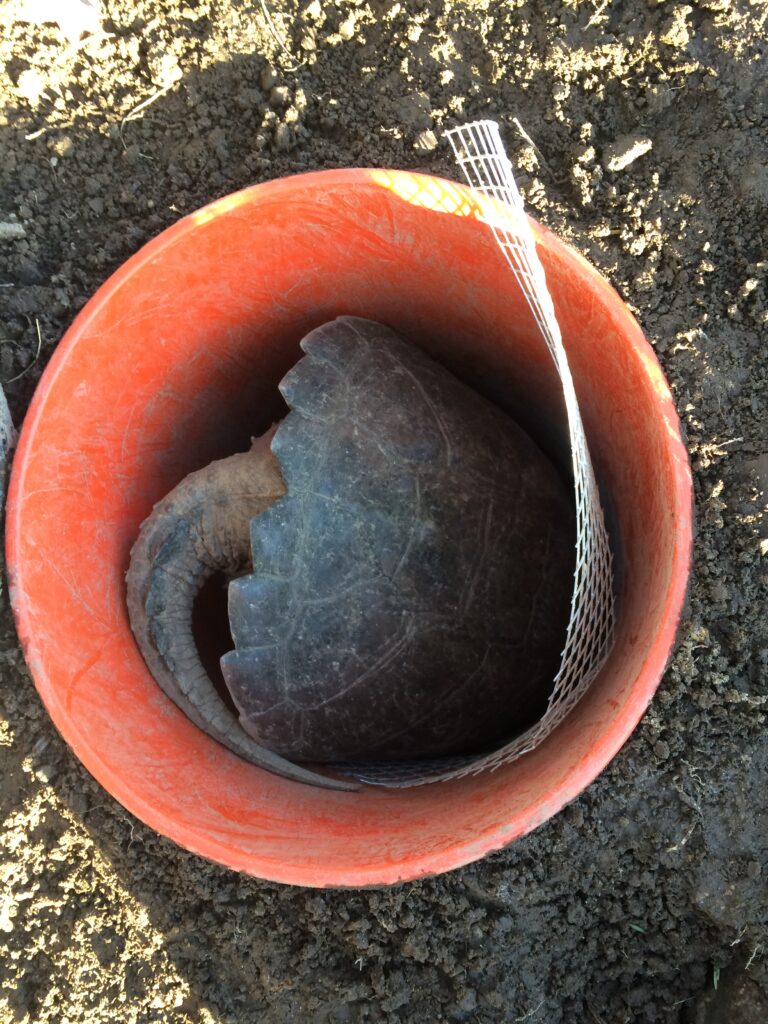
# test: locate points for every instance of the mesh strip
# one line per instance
(480, 153)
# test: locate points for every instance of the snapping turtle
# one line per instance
(408, 555)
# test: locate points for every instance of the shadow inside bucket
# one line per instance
(210, 629)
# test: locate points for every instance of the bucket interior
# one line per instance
(176, 362)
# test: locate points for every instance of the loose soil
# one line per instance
(639, 134)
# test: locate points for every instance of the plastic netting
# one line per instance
(480, 153)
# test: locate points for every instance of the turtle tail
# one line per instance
(202, 528)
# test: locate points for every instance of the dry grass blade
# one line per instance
(27, 368)
(277, 37)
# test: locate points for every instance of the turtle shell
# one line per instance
(410, 593)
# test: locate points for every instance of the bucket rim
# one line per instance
(460, 851)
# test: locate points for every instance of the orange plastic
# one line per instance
(175, 361)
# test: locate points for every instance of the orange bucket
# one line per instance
(176, 360)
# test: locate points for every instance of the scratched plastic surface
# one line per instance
(162, 372)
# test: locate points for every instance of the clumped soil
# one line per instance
(645, 900)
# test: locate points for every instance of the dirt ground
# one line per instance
(646, 900)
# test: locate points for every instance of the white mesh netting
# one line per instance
(480, 153)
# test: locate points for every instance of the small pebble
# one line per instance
(268, 78)
(283, 137)
(63, 146)
(31, 85)
(584, 154)
(10, 231)
(675, 31)
(425, 142)
(624, 151)
(347, 27)
(279, 96)
(47, 772)
(661, 750)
